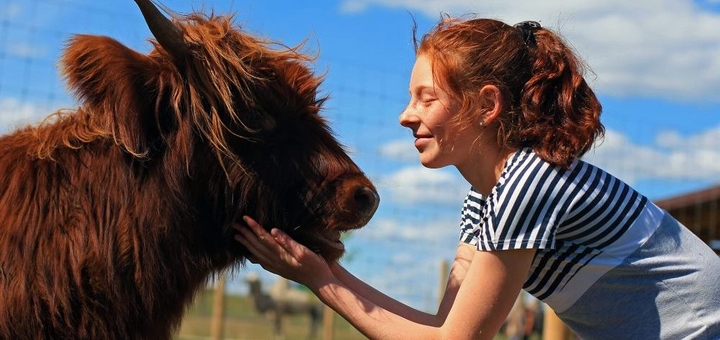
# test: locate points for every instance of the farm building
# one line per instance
(699, 211)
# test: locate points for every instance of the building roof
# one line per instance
(690, 199)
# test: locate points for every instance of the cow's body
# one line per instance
(94, 246)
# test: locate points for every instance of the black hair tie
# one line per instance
(527, 31)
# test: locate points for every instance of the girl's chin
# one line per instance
(430, 163)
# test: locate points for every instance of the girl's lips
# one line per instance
(420, 142)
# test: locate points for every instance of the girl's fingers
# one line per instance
(276, 251)
(264, 236)
(261, 233)
(288, 244)
(264, 245)
(257, 249)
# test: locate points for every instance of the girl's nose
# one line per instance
(407, 118)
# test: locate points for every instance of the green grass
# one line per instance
(243, 322)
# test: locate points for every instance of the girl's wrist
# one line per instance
(320, 281)
(335, 268)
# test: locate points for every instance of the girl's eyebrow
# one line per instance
(421, 88)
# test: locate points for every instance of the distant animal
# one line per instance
(113, 215)
(283, 300)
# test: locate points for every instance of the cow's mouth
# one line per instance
(331, 238)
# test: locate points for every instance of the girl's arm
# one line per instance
(458, 271)
(459, 268)
(379, 299)
(483, 300)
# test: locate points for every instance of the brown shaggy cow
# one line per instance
(113, 215)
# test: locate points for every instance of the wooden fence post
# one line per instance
(328, 323)
(444, 272)
(553, 327)
(218, 314)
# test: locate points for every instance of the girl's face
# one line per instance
(429, 116)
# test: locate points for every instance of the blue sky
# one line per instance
(655, 66)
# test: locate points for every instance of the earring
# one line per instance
(482, 124)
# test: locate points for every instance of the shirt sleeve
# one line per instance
(525, 208)
(470, 217)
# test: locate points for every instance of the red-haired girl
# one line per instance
(509, 108)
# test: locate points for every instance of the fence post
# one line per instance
(328, 323)
(553, 327)
(443, 279)
(218, 314)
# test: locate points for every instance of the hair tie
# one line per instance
(527, 31)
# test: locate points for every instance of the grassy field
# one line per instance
(243, 322)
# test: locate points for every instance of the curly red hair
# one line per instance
(547, 104)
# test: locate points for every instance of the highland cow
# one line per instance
(113, 215)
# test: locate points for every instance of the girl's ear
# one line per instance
(491, 104)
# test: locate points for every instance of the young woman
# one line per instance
(509, 108)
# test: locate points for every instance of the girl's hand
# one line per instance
(278, 253)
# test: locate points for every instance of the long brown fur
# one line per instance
(114, 214)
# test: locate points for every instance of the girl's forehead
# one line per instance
(423, 66)
(422, 74)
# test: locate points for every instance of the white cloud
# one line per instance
(14, 113)
(666, 48)
(418, 184)
(673, 157)
(413, 283)
(399, 150)
(23, 49)
(26, 50)
(431, 230)
(707, 140)
(405, 253)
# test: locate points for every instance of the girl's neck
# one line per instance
(484, 174)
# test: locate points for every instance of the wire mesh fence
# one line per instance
(403, 249)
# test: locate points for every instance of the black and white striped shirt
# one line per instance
(569, 215)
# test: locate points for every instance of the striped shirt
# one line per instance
(570, 216)
(593, 236)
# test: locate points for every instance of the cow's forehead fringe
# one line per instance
(228, 63)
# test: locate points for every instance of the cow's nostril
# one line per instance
(366, 201)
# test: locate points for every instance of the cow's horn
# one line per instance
(166, 33)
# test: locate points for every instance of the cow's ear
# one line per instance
(111, 81)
